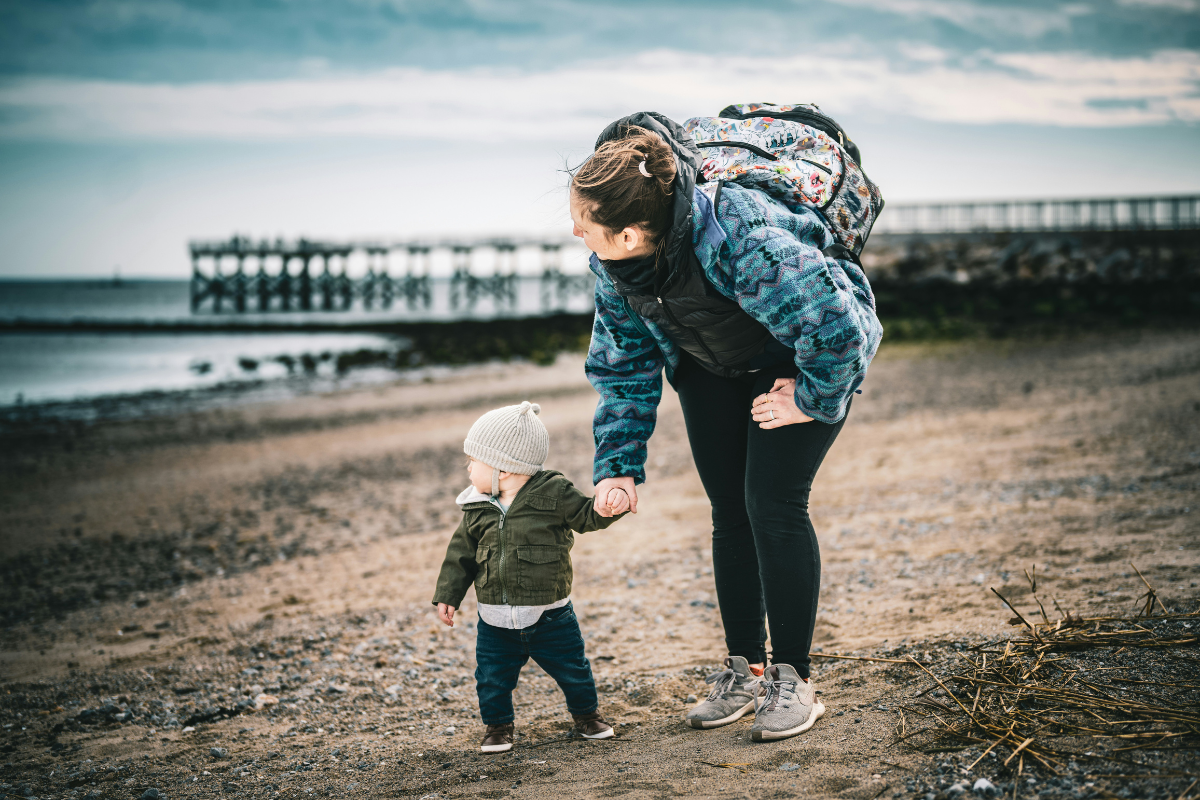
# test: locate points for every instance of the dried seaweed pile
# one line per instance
(1072, 692)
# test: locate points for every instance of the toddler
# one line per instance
(514, 543)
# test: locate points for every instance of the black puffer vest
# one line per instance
(704, 323)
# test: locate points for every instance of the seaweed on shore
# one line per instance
(1075, 698)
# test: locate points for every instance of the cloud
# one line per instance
(984, 18)
(1185, 6)
(1062, 89)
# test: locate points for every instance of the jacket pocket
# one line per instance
(542, 502)
(540, 566)
(482, 554)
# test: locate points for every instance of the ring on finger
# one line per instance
(772, 411)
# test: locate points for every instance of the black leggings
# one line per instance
(765, 555)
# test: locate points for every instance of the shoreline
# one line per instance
(369, 355)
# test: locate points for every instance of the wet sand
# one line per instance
(237, 602)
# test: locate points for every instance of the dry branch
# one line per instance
(1038, 700)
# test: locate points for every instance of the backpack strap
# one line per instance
(840, 252)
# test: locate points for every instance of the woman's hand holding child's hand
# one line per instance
(605, 496)
(618, 501)
(446, 614)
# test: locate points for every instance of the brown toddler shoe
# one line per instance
(497, 739)
(593, 726)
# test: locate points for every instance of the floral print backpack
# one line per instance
(796, 154)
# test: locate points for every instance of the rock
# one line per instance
(97, 716)
(449, 731)
(264, 700)
(957, 789)
(985, 787)
(150, 794)
(213, 713)
(691, 698)
(219, 752)
(788, 766)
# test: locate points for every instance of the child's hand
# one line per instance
(604, 487)
(446, 614)
(617, 500)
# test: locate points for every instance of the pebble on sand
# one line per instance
(985, 787)
(219, 752)
(263, 700)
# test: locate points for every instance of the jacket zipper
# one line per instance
(503, 582)
(504, 541)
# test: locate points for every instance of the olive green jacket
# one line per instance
(523, 557)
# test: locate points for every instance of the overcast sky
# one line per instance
(129, 126)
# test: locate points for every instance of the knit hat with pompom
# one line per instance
(511, 439)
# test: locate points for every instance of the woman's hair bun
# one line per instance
(628, 181)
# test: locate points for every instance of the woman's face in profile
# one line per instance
(628, 243)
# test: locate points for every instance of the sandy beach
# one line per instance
(236, 602)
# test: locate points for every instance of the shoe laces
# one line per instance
(722, 681)
(773, 692)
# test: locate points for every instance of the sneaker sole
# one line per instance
(495, 748)
(818, 710)
(705, 724)
(608, 734)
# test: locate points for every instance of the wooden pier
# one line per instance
(1071, 215)
(308, 275)
(311, 275)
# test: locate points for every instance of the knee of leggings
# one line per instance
(729, 518)
(762, 505)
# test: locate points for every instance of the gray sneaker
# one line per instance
(789, 705)
(734, 691)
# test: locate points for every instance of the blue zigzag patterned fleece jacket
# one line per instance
(768, 259)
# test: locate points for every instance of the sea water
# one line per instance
(41, 367)
(55, 365)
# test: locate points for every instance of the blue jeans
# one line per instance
(554, 642)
